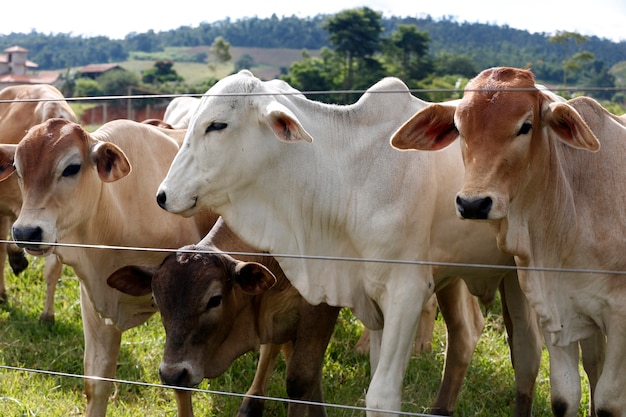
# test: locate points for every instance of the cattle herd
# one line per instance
(260, 194)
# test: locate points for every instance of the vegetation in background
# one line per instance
(471, 45)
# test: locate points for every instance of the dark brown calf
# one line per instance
(215, 308)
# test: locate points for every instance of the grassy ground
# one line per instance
(488, 390)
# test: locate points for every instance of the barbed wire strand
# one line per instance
(311, 93)
(321, 257)
(206, 391)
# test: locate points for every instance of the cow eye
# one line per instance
(215, 126)
(214, 302)
(525, 129)
(71, 170)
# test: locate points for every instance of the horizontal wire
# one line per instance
(206, 391)
(323, 257)
(311, 92)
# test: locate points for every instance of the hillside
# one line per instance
(269, 63)
(487, 45)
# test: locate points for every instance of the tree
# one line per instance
(221, 49)
(312, 75)
(117, 82)
(406, 53)
(245, 61)
(86, 87)
(161, 72)
(451, 63)
(355, 33)
(571, 63)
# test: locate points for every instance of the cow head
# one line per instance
(504, 123)
(60, 169)
(241, 115)
(204, 299)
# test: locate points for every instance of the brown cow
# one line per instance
(215, 308)
(22, 107)
(78, 188)
(555, 206)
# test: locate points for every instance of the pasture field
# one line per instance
(267, 62)
(27, 344)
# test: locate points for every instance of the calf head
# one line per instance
(60, 169)
(205, 300)
(504, 122)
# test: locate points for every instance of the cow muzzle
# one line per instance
(477, 208)
(30, 238)
(178, 375)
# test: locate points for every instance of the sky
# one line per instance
(118, 18)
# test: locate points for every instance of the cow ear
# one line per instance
(133, 280)
(430, 129)
(570, 127)
(254, 278)
(284, 123)
(7, 157)
(110, 161)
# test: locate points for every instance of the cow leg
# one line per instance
(401, 307)
(610, 400)
(593, 354)
(304, 368)
(465, 323)
(253, 407)
(184, 406)
(565, 390)
(4, 232)
(52, 272)
(525, 342)
(102, 348)
(426, 327)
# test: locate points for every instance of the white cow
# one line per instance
(247, 156)
(98, 189)
(179, 111)
(554, 206)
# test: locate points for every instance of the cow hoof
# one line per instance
(18, 262)
(251, 407)
(46, 319)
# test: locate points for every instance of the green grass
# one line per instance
(488, 389)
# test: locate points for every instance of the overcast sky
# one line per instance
(117, 18)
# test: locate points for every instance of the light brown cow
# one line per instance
(79, 188)
(215, 308)
(555, 206)
(22, 107)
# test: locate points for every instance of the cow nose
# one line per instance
(474, 209)
(161, 199)
(177, 376)
(27, 234)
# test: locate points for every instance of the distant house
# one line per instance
(93, 71)
(15, 68)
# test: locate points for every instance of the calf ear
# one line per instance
(284, 123)
(7, 156)
(110, 161)
(430, 129)
(254, 278)
(133, 280)
(570, 128)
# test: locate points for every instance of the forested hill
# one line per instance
(487, 45)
